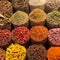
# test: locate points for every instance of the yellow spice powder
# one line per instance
(15, 52)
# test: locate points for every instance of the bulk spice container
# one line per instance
(5, 38)
(4, 22)
(37, 4)
(36, 52)
(21, 35)
(53, 53)
(53, 19)
(39, 34)
(6, 8)
(21, 5)
(37, 17)
(15, 52)
(52, 5)
(54, 37)
(19, 18)
(2, 54)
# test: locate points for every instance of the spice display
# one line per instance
(53, 53)
(53, 19)
(54, 37)
(52, 5)
(6, 8)
(37, 17)
(5, 38)
(37, 4)
(4, 22)
(20, 35)
(36, 52)
(2, 54)
(19, 18)
(21, 5)
(39, 34)
(15, 52)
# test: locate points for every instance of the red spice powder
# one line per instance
(20, 35)
(5, 37)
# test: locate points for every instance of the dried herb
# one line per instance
(19, 18)
(53, 19)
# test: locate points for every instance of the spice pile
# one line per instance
(15, 52)
(5, 38)
(39, 34)
(2, 54)
(37, 17)
(54, 36)
(53, 19)
(53, 53)
(21, 35)
(36, 52)
(19, 18)
(29, 30)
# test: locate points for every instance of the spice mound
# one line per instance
(37, 4)
(2, 54)
(38, 33)
(5, 38)
(6, 8)
(20, 35)
(19, 18)
(4, 22)
(15, 52)
(52, 5)
(36, 52)
(21, 5)
(37, 17)
(53, 53)
(53, 19)
(54, 36)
